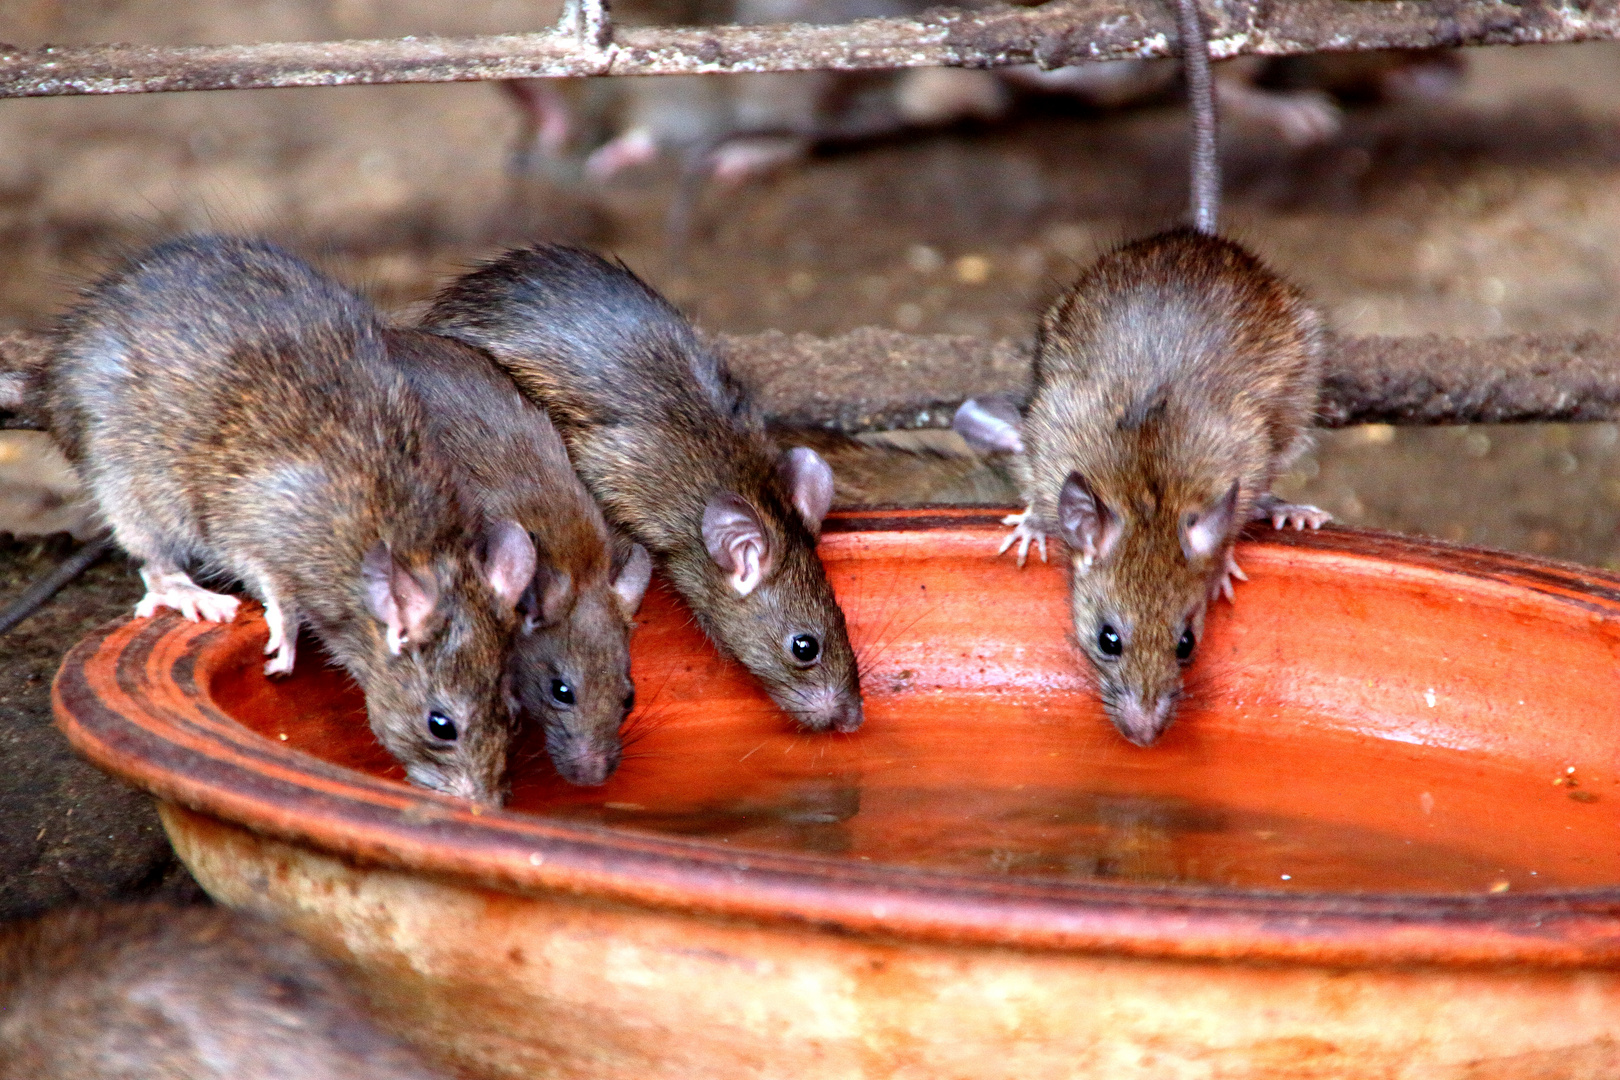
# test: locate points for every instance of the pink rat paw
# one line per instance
(282, 647)
(1222, 586)
(175, 589)
(1023, 535)
(1299, 515)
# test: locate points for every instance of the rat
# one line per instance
(1172, 383)
(230, 408)
(676, 454)
(201, 993)
(571, 659)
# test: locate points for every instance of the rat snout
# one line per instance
(585, 764)
(826, 708)
(1141, 722)
(490, 792)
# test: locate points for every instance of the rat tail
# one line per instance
(1206, 167)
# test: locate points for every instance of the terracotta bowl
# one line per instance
(1381, 840)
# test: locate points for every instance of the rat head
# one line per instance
(1142, 573)
(571, 664)
(435, 679)
(773, 607)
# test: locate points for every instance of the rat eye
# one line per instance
(804, 647)
(441, 726)
(561, 692)
(1108, 641)
(629, 701)
(1184, 647)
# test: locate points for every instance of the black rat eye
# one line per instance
(441, 726)
(629, 701)
(561, 692)
(805, 647)
(1184, 647)
(1108, 641)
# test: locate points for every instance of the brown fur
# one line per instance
(658, 428)
(149, 992)
(230, 408)
(577, 627)
(1174, 367)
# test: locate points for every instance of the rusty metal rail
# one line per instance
(1053, 34)
(876, 379)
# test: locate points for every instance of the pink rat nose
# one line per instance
(828, 709)
(587, 766)
(1139, 723)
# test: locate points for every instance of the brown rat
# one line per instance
(200, 993)
(230, 408)
(571, 659)
(1172, 383)
(669, 444)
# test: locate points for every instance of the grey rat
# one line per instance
(140, 991)
(571, 659)
(1173, 382)
(229, 407)
(669, 444)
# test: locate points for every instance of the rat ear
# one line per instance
(546, 600)
(737, 541)
(991, 425)
(1085, 521)
(810, 479)
(1204, 531)
(395, 596)
(509, 561)
(630, 584)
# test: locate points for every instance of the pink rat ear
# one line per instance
(1204, 531)
(991, 425)
(630, 584)
(737, 541)
(810, 480)
(509, 561)
(546, 600)
(401, 602)
(1086, 523)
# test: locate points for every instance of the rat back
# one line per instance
(201, 993)
(1175, 364)
(668, 443)
(571, 660)
(232, 409)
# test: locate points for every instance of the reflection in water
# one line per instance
(1042, 832)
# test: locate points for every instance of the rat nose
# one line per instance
(1140, 723)
(585, 765)
(827, 709)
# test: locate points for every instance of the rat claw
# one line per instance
(1023, 535)
(1223, 584)
(174, 589)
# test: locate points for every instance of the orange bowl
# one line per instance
(1380, 840)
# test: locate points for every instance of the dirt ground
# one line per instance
(1497, 211)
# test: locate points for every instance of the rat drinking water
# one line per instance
(182, 993)
(571, 659)
(669, 444)
(1172, 383)
(232, 409)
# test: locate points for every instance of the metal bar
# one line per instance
(872, 379)
(1054, 34)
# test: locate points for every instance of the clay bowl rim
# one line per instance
(184, 750)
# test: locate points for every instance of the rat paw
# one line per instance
(1023, 535)
(176, 590)
(1299, 515)
(1222, 586)
(283, 643)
